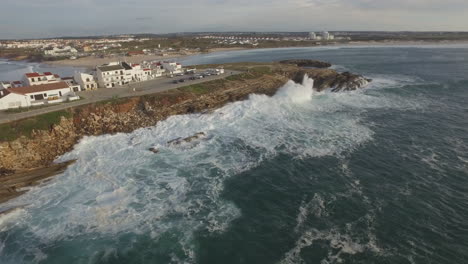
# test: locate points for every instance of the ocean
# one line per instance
(14, 70)
(378, 175)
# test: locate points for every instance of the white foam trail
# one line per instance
(118, 187)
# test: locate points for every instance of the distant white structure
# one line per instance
(325, 35)
(65, 51)
(86, 81)
(172, 67)
(312, 35)
(41, 94)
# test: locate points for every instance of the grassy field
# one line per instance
(25, 127)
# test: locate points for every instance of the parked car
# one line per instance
(182, 80)
(175, 81)
(198, 76)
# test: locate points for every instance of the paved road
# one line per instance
(141, 88)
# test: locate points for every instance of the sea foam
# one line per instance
(117, 187)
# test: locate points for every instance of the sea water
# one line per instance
(378, 175)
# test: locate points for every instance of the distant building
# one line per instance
(59, 52)
(172, 67)
(312, 35)
(325, 35)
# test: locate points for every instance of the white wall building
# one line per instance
(114, 74)
(172, 67)
(35, 78)
(86, 81)
(27, 96)
(65, 51)
(312, 35)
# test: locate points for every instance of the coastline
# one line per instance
(22, 155)
(91, 62)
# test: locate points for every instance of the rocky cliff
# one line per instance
(42, 146)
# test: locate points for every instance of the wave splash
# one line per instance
(118, 189)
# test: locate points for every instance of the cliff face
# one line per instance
(128, 114)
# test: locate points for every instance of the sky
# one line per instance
(53, 18)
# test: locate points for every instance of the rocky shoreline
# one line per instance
(38, 151)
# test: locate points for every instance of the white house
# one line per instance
(172, 67)
(35, 78)
(72, 84)
(157, 69)
(36, 95)
(114, 74)
(65, 51)
(86, 81)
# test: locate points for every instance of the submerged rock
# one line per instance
(154, 150)
(179, 140)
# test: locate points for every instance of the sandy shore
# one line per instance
(91, 62)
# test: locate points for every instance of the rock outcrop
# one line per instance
(330, 79)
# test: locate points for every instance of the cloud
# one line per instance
(93, 17)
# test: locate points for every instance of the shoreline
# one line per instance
(41, 147)
(90, 62)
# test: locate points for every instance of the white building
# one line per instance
(172, 67)
(65, 51)
(114, 74)
(27, 96)
(35, 78)
(312, 35)
(86, 81)
(325, 35)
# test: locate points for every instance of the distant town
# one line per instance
(189, 43)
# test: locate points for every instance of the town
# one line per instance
(41, 89)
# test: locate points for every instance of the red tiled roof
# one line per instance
(147, 69)
(67, 78)
(56, 76)
(135, 64)
(47, 73)
(32, 74)
(18, 82)
(39, 88)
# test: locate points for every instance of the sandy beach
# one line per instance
(91, 61)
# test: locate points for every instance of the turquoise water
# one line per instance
(372, 176)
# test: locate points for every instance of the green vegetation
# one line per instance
(24, 127)
(114, 100)
(198, 88)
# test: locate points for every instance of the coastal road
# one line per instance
(101, 94)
